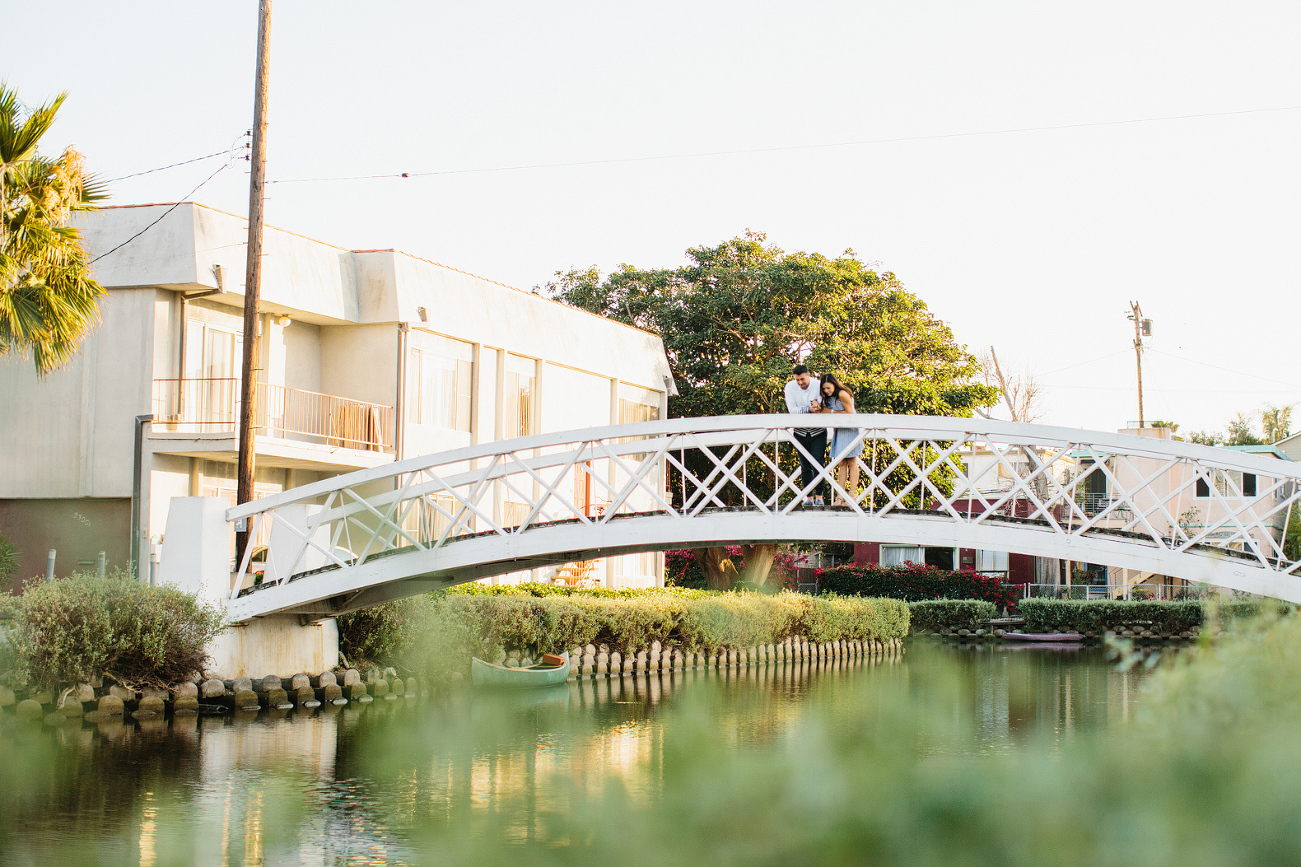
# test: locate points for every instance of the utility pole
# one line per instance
(1142, 328)
(253, 277)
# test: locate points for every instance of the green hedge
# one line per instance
(914, 582)
(436, 634)
(1105, 615)
(936, 614)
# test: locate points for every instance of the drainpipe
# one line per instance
(136, 485)
(399, 440)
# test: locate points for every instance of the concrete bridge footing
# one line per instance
(197, 551)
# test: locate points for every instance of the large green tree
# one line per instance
(48, 298)
(738, 316)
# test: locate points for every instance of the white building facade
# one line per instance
(366, 357)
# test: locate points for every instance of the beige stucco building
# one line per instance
(367, 356)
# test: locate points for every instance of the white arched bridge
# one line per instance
(1203, 514)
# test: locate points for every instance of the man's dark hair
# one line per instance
(801, 368)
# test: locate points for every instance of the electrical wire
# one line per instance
(229, 152)
(704, 154)
(1225, 369)
(172, 166)
(221, 168)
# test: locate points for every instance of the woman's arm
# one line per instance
(846, 400)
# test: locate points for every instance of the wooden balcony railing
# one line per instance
(212, 406)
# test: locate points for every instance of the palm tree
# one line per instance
(48, 298)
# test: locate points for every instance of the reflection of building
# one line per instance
(367, 357)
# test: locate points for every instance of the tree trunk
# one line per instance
(718, 568)
(758, 563)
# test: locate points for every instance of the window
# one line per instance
(210, 389)
(894, 555)
(631, 411)
(521, 391)
(439, 378)
(1229, 483)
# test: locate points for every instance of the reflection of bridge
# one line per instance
(429, 522)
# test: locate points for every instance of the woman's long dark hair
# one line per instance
(836, 387)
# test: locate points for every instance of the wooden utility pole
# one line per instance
(253, 277)
(1141, 327)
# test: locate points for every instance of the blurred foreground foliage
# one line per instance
(1203, 772)
(435, 635)
(877, 765)
(70, 630)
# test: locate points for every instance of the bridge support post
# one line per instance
(197, 552)
(277, 644)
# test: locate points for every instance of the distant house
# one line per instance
(1289, 446)
(1190, 502)
(367, 356)
(993, 480)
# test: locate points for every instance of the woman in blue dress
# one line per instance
(846, 445)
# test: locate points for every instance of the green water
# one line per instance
(411, 780)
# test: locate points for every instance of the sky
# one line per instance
(1026, 168)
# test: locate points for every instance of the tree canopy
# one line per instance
(48, 298)
(739, 315)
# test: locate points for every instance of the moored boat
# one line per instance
(1043, 636)
(553, 669)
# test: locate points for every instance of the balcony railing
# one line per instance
(212, 406)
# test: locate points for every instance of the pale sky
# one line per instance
(874, 117)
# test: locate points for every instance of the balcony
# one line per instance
(293, 427)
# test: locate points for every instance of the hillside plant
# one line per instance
(8, 562)
(914, 582)
(76, 628)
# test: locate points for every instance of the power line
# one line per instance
(172, 166)
(228, 152)
(1082, 363)
(1227, 369)
(182, 201)
(779, 149)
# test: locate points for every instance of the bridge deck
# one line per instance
(461, 515)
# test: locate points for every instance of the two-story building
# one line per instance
(366, 357)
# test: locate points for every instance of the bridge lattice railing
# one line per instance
(1179, 496)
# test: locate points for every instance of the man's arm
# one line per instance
(792, 390)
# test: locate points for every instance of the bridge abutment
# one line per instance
(197, 551)
(275, 644)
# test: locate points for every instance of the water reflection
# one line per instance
(382, 782)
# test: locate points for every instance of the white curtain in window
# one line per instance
(893, 555)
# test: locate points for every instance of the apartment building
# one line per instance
(367, 356)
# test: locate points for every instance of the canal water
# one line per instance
(383, 782)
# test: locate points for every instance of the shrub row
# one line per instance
(932, 615)
(436, 634)
(913, 582)
(71, 630)
(1103, 615)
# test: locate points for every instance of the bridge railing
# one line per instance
(1177, 496)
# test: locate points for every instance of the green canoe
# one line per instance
(489, 674)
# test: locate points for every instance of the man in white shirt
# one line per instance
(804, 395)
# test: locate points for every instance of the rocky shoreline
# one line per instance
(96, 701)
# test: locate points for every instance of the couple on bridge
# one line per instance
(806, 393)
